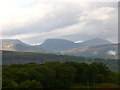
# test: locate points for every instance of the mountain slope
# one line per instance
(17, 45)
(58, 44)
(61, 44)
(50, 45)
(95, 42)
(108, 50)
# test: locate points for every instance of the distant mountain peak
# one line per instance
(57, 40)
(17, 45)
(96, 41)
(62, 44)
(58, 44)
(11, 40)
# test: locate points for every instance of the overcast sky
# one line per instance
(34, 21)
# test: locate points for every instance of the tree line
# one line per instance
(55, 74)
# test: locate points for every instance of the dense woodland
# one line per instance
(37, 70)
(54, 74)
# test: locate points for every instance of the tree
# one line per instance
(64, 74)
(80, 69)
(7, 83)
(100, 78)
(91, 73)
(30, 84)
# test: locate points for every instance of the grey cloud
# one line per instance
(63, 15)
(66, 15)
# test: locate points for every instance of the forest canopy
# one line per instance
(54, 74)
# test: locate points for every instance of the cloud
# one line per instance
(36, 21)
(15, 16)
(111, 52)
(56, 18)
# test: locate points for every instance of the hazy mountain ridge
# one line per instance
(95, 42)
(90, 48)
(61, 44)
(17, 45)
(58, 44)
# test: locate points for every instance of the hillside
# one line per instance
(62, 44)
(9, 57)
(109, 50)
(95, 42)
(96, 47)
(58, 44)
(17, 45)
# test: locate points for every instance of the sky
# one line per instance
(34, 21)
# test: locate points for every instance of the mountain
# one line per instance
(17, 45)
(95, 42)
(62, 44)
(58, 44)
(50, 45)
(108, 50)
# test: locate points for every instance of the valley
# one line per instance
(11, 57)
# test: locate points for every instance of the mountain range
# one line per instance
(96, 47)
(17, 45)
(60, 45)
